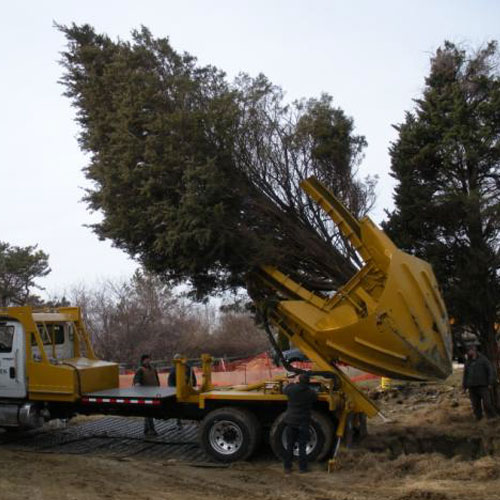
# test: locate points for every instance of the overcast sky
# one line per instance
(371, 56)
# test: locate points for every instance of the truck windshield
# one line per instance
(6, 336)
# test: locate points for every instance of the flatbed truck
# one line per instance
(389, 319)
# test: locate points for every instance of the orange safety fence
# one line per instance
(249, 376)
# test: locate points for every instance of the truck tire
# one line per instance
(321, 434)
(230, 434)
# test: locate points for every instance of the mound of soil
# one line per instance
(431, 418)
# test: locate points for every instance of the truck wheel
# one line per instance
(230, 434)
(320, 441)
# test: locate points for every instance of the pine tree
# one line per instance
(447, 164)
(19, 268)
(198, 177)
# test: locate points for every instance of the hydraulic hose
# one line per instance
(285, 362)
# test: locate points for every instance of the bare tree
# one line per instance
(127, 318)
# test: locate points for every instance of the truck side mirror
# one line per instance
(12, 372)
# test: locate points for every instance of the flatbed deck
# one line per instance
(137, 391)
(131, 395)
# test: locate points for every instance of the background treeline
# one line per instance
(127, 318)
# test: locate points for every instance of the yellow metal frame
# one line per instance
(68, 315)
(389, 319)
(64, 380)
(343, 402)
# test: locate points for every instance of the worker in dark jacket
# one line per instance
(172, 376)
(479, 377)
(297, 419)
(146, 375)
(172, 380)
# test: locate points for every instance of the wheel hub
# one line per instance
(226, 437)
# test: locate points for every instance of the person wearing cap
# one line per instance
(172, 376)
(478, 379)
(146, 375)
(298, 419)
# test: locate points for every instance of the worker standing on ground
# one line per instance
(146, 375)
(479, 377)
(172, 380)
(298, 418)
(172, 376)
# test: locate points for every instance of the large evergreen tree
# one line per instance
(447, 164)
(196, 176)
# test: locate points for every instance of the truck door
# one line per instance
(12, 360)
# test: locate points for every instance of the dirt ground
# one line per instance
(382, 468)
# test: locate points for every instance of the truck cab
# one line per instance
(46, 363)
(13, 380)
